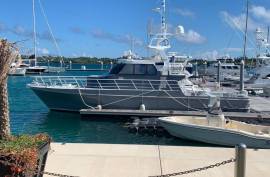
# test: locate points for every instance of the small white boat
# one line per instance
(17, 71)
(35, 69)
(215, 129)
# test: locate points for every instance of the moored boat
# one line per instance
(159, 82)
(216, 129)
(218, 132)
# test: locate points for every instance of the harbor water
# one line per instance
(29, 115)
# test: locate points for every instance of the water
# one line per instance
(29, 115)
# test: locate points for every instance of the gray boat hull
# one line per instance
(73, 99)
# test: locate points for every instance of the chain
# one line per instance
(197, 169)
(6, 163)
(56, 174)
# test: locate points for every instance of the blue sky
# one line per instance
(104, 28)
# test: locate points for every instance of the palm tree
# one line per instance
(7, 55)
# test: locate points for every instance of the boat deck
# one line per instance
(102, 160)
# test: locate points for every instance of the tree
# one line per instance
(7, 54)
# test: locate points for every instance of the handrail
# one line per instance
(124, 84)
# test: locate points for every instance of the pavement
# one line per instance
(120, 160)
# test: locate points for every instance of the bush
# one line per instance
(20, 155)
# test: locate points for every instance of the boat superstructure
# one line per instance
(261, 72)
(228, 69)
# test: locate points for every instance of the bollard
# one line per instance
(242, 67)
(240, 163)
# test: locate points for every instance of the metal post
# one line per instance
(242, 67)
(196, 69)
(218, 73)
(205, 67)
(111, 64)
(70, 64)
(240, 163)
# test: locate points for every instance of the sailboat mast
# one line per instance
(163, 17)
(268, 34)
(243, 60)
(34, 34)
(245, 40)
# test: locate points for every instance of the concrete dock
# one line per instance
(113, 160)
(260, 104)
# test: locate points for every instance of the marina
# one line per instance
(163, 108)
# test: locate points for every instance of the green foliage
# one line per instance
(17, 144)
(79, 60)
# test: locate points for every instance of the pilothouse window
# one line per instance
(117, 68)
(140, 69)
(127, 69)
(151, 70)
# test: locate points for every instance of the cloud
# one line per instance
(21, 31)
(192, 37)
(184, 12)
(237, 49)
(2, 27)
(209, 55)
(43, 51)
(77, 30)
(100, 34)
(124, 39)
(261, 12)
(233, 49)
(239, 22)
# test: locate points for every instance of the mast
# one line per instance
(163, 18)
(245, 38)
(243, 60)
(268, 34)
(34, 34)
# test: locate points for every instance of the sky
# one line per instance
(105, 28)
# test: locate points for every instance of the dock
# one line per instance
(164, 113)
(103, 160)
(259, 109)
(260, 104)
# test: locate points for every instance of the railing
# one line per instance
(92, 83)
(128, 84)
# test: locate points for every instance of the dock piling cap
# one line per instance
(241, 145)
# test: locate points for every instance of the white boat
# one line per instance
(228, 69)
(36, 69)
(17, 68)
(215, 129)
(227, 133)
(15, 71)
